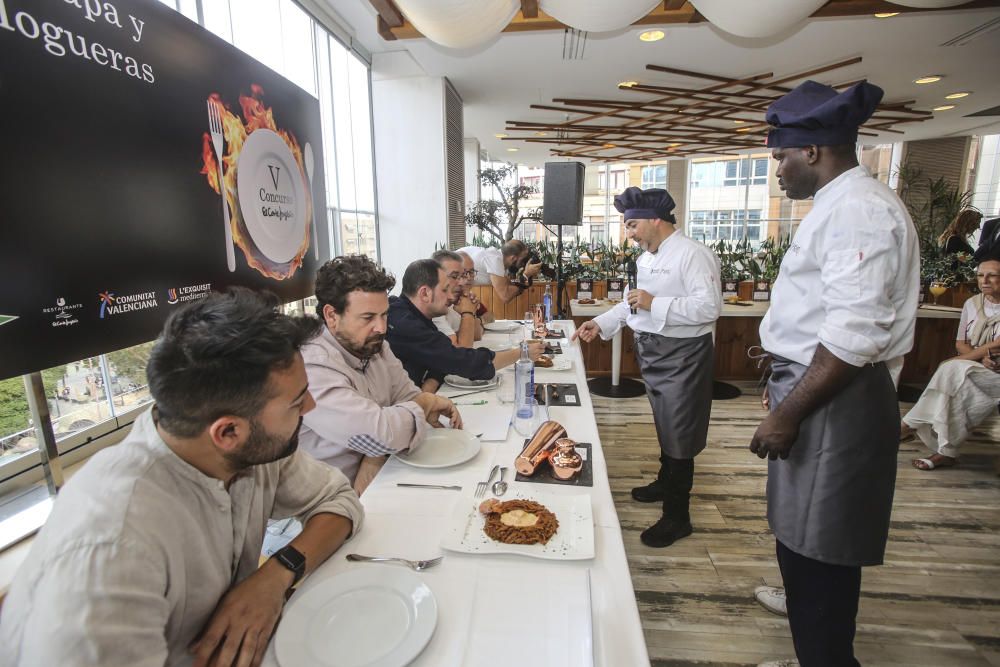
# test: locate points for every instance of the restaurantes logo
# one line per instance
(190, 293)
(63, 313)
(113, 304)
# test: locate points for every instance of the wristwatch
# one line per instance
(293, 560)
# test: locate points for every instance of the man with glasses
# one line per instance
(460, 323)
(496, 266)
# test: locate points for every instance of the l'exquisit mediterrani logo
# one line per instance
(172, 296)
(177, 295)
(107, 298)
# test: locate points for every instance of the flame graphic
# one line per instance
(236, 131)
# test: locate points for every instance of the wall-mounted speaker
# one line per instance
(563, 194)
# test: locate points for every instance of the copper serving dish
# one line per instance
(539, 447)
(566, 462)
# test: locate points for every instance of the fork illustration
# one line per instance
(215, 128)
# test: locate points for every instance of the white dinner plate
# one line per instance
(503, 326)
(443, 447)
(369, 616)
(463, 383)
(559, 363)
(272, 195)
(574, 539)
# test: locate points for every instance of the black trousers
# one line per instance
(822, 601)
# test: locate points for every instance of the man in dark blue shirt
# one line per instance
(427, 354)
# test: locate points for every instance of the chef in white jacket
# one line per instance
(841, 318)
(672, 310)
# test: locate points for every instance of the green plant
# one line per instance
(932, 205)
(500, 217)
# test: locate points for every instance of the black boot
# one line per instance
(676, 520)
(655, 491)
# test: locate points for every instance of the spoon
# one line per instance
(500, 486)
(308, 157)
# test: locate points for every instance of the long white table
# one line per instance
(410, 523)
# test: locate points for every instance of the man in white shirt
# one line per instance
(495, 266)
(150, 555)
(366, 405)
(842, 316)
(461, 323)
(672, 311)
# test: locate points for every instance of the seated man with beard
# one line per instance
(150, 555)
(366, 405)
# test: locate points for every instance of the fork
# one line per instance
(482, 486)
(416, 565)
(215, 128)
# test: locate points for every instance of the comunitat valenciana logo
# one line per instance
(63, 313)
(113, 303)
(177, 295)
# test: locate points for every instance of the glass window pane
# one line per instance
(17, 437)
(189, 8)
(254, 22)
(326, 113)
(128, 376)
(78, 397)
(217, 18)
(297, 44)
(342, 108)
(361, 134)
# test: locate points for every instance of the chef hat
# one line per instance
(814, 114)
(645, 204)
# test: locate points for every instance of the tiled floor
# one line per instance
(936, 601)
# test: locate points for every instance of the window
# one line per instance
(598, 232)
(618, 180)
(654, 176)
(737, 172)
(532, 182)
(710, 226)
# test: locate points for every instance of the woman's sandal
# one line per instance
(929, 464)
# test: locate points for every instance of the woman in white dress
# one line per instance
(965, 390)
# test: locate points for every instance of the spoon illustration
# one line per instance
(500, 486)
(307, 152)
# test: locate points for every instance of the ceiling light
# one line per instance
(541, 134)
(627, 84)
(739, 122)
(652, 35)
(956, 96)
(885, 15)
(610, 146)
(944, 107)
(500, 135)
(930, 78)
(512, 150)
(674, 145)
(744, 129)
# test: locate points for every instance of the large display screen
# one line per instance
(146, 162)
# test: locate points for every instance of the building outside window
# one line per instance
(619, 180)
(654, 176)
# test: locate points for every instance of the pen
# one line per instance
(482, 402)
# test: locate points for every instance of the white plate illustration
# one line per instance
(272, 195)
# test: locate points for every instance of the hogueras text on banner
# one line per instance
(147, 162)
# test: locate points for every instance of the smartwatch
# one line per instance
(293, 560)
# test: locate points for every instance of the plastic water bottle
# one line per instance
(524, 381)
(547, 300)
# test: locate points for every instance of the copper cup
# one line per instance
(538, 448)
(566, 462)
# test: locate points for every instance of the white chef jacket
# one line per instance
(850, 280)
(683, 277)
(488, 261)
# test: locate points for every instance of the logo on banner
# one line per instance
(177, 295)
(63, 313)
(7, 319)
(116, 304)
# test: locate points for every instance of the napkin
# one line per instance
(559, 632)
(492, 419)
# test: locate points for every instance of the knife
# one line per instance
(429, 486)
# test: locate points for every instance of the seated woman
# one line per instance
(964, 391)
(955, 237)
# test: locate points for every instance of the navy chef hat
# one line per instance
(813, 114)
(645, 204)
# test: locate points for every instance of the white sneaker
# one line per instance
(772, 598)
(780, 663)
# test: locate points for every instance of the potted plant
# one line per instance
(730, 274)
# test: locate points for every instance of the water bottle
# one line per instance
(524, 381)
(547, 300)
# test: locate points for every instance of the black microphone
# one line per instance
(631, 271)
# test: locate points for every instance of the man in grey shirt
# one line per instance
(151, 553)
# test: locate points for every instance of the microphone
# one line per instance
(631, 270)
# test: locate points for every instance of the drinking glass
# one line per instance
(527, 426)
(506, 389)
(937, 289)
(528, 327)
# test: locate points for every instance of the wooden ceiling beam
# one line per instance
(389, 13)
(529, 9)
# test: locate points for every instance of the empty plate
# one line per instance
(503, 326)
(443, 447)
(463, 383)
(365, 617)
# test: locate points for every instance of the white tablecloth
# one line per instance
(410, 523)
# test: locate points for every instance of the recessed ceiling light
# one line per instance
(541, 134)
(739, 122)
(930, 78)
(744, 129)
(627, 84)
(610, 146)
(956, 96)
(652, 35)
(885, 15)
(501, 135)
(512, 150)
(944, 107)
(674, 145)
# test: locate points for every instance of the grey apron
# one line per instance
(678, 375)
(831, 498)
